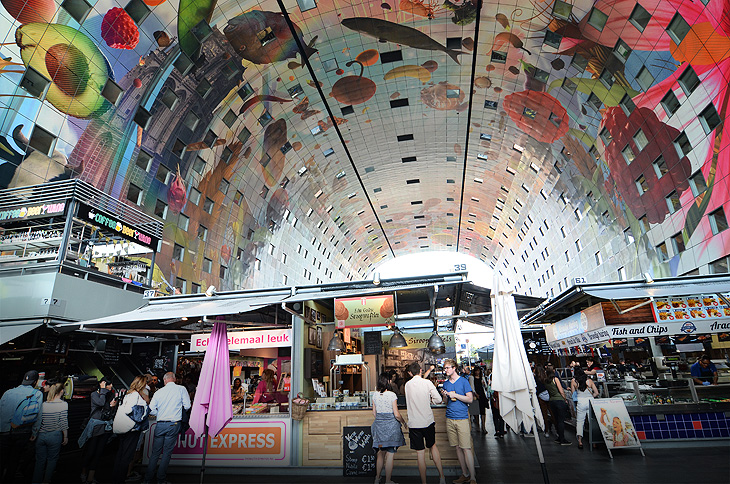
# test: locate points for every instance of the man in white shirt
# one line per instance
(167, 404)
(420, 394)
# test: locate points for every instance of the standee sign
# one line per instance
(246, 340)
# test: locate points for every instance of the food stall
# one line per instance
(674, 332)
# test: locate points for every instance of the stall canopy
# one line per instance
(582, 296)
(11, 330)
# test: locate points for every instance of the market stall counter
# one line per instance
(323, 433)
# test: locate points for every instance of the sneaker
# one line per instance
(566, 442)
(462, 479)
(133, 477)
(557, 441)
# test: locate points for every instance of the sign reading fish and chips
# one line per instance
(362, 312)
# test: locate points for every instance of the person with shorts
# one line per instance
(420, 395)
(458, 394)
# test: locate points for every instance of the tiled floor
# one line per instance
(512, 459)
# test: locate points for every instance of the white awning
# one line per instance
(10, 331)
(669, 288)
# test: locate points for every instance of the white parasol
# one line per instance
(511, 374)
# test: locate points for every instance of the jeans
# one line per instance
(498, 420)
(47, 450)
(125, 453)
(93, 449)
(583, 404)
(163, 443)
(559, 409)
(14, 450)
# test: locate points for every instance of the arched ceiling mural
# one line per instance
(301, 142)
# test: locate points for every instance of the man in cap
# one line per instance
(15, 434)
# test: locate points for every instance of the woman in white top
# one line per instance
(52, 434)
(127, 429)
(586, 390)
(386, 429)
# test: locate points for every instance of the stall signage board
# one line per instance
(586, 321)
(254, 442)
(615, 423)
(589, 337)
(690, 308)
(358, 455)
(38, 210)
(373, 342)
(112, 222)
(362, 312)
(420, 340)
(246, 340)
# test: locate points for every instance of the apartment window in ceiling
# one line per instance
(144, 160)
(207, 265)
(161, 209)
(660, 167)
(202, 233)
(628, 154)
(578, 214)
(569, 86)
(230, 118)
(606, 136)
(678, 243)
(678, 28)
(689, 80)
(223, 271)
(169, 99)
(594, 101)
(599, 259)
(552, 39)
(194, 196)
(709, 118)
(499, 57)
(628, 236)
(640, 140)
(244, 135)
(718, 222)
(266, 36)
(183, 64)
(208, 205)
(562, 10)
(567, 256)
(627, 104)
(134, 194)
(226, 155)
(178, 252)
(562, 231)
(622, 50)
(644, 78)
(203, 88)
(670, 103)
(578, 245)
(493, 105)
(191, 120)
(720, 266)
(579, 61)
(183, 222)
(224, 185)
(163, 174)
(606, 78)
(621, 273)
(662, 252)
(138, 10)
(78, 9)
(673, 202)
(644, 224)
(555, 119)
(697, 183)
(682, 144)
(178, 148)
(639, 18)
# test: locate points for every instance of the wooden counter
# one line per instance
(322, 438)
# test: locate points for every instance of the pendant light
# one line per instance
(436, 343)
(397, 340)
(336, 343)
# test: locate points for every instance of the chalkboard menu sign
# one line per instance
(112, 350)
(373, 343)
(358, 455)
(55, 345)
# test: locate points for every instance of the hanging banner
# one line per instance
(615, 423)
(246, 340)
(690, 308)
(362, 312)
(588, 321)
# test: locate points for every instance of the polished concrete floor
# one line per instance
(512, 459)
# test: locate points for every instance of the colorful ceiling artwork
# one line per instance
(310, 142)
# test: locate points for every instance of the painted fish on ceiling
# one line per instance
(264, 37)
(386, 31)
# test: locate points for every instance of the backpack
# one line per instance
(27, 411)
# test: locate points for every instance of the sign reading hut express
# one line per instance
(362, 312)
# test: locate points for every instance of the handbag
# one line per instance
(544, 396)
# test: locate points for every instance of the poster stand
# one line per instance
(609, 418)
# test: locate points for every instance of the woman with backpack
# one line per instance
(98, 429)
(129, 422)
(52, 434)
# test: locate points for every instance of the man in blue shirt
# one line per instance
(14, 442)
(458, 394)
(704, 372)
(167, 404)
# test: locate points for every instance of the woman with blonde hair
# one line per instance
(52, 434)
(128, 429)
(266, 389)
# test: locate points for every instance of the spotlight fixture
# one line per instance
(648, 279)
(336, 343)
(436, 344)
(376, 279)
(397, 340)
(210, 292)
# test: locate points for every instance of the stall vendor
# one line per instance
(237, 393)
(592, 366)
(266, 389)
(704, 372)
